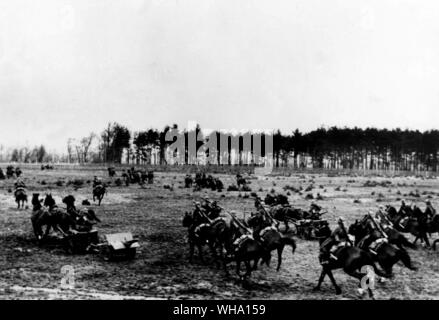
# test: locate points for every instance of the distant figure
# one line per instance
(10, 172)
(150, 177)
(96, 181)
(18, 172)
(188, 181)
(20, 193)
(111, 172)
(2, 175)
(99, 191)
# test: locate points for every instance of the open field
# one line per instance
(161, 269)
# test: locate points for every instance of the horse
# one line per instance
(349, 258)
(243, 248)
(188, 181)
(382, 251)
(240, 181)
(393, 236)
(111, 172)
(135, 176)
(10, 172)
(219, 185)
(279, 199)
(150, 177)
(200, 233)
(411, 225)
(98, 193)
(270, 238)
(51, 217)
(285, 214)
(20, 197)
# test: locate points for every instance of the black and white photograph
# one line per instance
(219, 150)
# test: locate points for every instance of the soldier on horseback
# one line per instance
(337, 238)
(383, 219)
(19, 186)
(425, 217)
(315, 211)
(96, 181)
(404, 212)
(215, 210)
(430, 211)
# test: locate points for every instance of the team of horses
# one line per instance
(370, 247)
(251, 241)
(203, 181)
(234, 240)
(46, 213)
(132, 175)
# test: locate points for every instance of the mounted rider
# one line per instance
(96, 181)
(338, 238)
(315, 210)
(425, 217)
(383, 219)
(261, 211)
(215, 211)
(404, 212)
(430, 212)
(19, 185)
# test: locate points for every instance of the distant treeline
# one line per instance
(369, 149)
(324, 148)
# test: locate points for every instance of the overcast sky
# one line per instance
(69, 67)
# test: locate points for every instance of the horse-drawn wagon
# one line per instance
(117, 246)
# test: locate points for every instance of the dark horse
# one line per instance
(393, 236)
(411, 224)
(20, 197)
(373, 241)
(51, 217)
(111, 172)
(270, 237)
(351, 259)
(285, 214)
(243, 248)
(200, 233)
(188, 181)
(98, 193)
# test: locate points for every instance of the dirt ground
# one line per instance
(161, 269)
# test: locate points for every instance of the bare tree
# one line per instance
(85, 145)
(70, 149)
